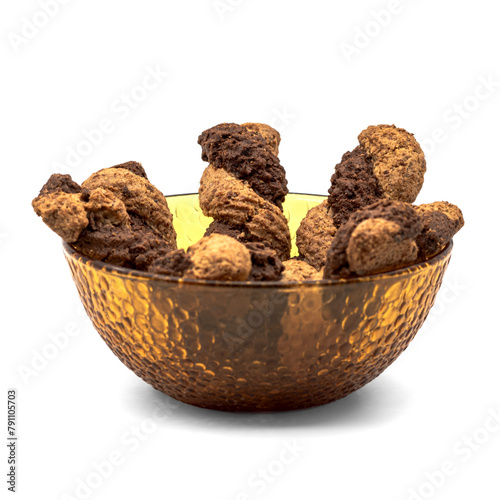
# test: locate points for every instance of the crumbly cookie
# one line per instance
(135, 247)
(104, 209)
(353, 186)
(230, 201)
(388, 163)
(398, 161)
(68, 210)
(140, 198)
(298, 270)
(442, 220)
(174, 263)
(59, 183)
(266, 265)
(406, 226)
(116, 216)
(315, 235)
(219, 227)
(221, 257)
(63, 212)
(375, 247)
(244, 186)
(246, 156)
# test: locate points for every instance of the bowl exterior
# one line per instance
(266, 347)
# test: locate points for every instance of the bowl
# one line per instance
(246, 346)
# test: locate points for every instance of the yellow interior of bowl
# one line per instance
(191, 224)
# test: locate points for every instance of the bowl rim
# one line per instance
(125, 272)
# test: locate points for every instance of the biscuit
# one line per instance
(174, 263)
(298, 270)
(388, 163)
(244, 186)
(246, 156)
(353, 186)
(134, 167)
(232, 202)
(215, 257)
(219, 257)
(441, 220)
(375, 247)
(116, 216)
(140, 197)
(68, 210)
(366, 256)
(222, 252)
(59, 183)
(315, 235)
(398, 161)
(104, 208)
(135, 247)
(63, 212)
(266, 265)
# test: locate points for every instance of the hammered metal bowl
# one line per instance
(255, 346)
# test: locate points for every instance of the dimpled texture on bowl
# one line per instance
(255, 346)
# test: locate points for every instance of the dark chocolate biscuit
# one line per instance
(174, 263)
(219, 227)
(266, 265)
(135, 247)
(61, 184)
(354, 186)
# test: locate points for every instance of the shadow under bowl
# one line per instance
(244, 346)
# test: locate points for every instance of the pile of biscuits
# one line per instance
(367, 225)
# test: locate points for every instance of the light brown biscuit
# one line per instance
(219, 257)
(375, 246)
(229, 200)
(298, 270)
(64, 213)
(68, 210)
(315, 235)
(140, 198)
(398, 161)
(104, 208)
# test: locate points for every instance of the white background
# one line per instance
(282, 62)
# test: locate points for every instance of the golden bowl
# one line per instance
(245, 346)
